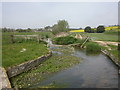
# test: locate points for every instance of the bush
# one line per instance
(88, 29)
(100, 29)
(64, 40)
(93, 47)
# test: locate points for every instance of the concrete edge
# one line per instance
(113, 59)
(5, 83)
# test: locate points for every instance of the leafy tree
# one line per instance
(29, 30)
(100, 29)
(88, 29)
(61, 26)
(47, 27)
(55, 29)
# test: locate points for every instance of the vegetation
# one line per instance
(92, 47)
(66, 40)
(17, 53)
(20, 51)
(100, 29)
(80, 30)
(101, 36)
(61, 26)
(88, 29)
(54, 64)
(115, 52)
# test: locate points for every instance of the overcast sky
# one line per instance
(39, 14)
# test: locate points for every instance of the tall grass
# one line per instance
(92, 47)
(67, 40)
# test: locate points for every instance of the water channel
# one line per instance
(95, 71)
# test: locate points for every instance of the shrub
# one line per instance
(64, 40)
(93, 47)
(88, 29)
(100, 29)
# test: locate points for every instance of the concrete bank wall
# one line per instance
(15, 70)
(4, 81)
(114, 60)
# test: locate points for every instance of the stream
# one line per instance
(95, 71)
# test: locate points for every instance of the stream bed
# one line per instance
(95, 71)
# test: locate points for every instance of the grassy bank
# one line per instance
(19, 52)
(114, 51)
(12, 54)
(54, 64)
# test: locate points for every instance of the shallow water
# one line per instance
(95, 71)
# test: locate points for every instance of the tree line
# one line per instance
(99, 29)
(60, 26)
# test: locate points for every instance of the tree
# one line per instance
(61, 26)
(55, 29)
(29, 30)
(100, 29)
(88, 29)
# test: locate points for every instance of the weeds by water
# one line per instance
(92, 47)
(53, 64)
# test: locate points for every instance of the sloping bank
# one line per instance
(15, 70)
(62, 58)
(114, 60)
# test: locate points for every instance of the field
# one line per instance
(19, 52)
(109, 35)
(106, 28)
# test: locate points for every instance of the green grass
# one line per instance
(66, 40)
(111, 35)
(102, 36)
(92, 47)
(54, 64)
(46, 69)
(6, 35)
(12, 55)
(115, 52)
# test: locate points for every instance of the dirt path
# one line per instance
(106, 43)
(61, 34)
(78, 36)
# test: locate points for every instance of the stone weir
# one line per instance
(15, 70)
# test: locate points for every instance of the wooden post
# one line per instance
(12, 38)
(38, 37)
(84, 42)
(119, 46)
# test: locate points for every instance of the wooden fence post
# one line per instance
(12, 38)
